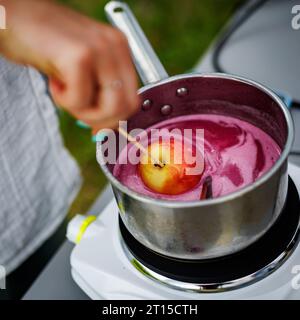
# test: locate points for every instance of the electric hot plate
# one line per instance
(249, 265)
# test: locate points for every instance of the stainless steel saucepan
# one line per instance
(209, 228)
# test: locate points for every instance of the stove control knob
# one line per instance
(78, 226)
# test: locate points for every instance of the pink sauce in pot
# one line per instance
(236, 153)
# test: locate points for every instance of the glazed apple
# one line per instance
(169, 177)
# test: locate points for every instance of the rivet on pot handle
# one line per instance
(146, 61)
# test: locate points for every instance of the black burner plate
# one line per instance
(235, 266)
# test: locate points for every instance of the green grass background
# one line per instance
(180, 32)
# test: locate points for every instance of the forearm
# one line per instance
(21, 24)
(82, 58)
(6, 4)
(9, 35)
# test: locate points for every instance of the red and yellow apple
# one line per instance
(171, 177)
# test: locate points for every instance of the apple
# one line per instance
(172, 177)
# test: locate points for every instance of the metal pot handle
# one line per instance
(146, 61)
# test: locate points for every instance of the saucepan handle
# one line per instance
(146, 61)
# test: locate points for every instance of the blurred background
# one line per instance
(180, 32)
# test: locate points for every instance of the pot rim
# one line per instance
(229, 197)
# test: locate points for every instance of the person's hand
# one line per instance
(88, 63)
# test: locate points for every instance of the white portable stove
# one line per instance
(106, 267)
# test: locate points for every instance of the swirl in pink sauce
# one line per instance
(236, 153)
